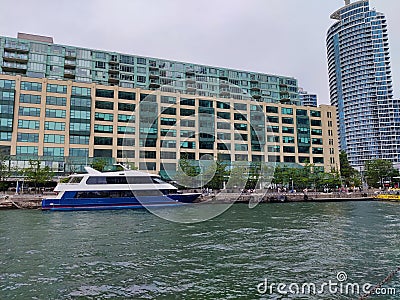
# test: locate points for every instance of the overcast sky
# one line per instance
(285, 37)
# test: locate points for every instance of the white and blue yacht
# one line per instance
(125, 189)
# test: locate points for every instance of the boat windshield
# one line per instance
(75, 179)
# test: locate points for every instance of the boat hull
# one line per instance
(392, 198)
(70, 204)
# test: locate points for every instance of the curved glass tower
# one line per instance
(360, 84)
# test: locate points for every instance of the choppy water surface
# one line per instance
(134, 254)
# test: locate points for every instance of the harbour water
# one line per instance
(135, 254)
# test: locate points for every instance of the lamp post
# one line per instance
(291, 179)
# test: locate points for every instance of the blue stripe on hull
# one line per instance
(68, 204)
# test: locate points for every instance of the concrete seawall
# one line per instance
(287, 197)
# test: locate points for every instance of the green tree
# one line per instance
(217, 172)
(379, 170)
(238, 175)
(187, 174)
(349, 175)
(5, 171)
(36, 174)
(99, 164)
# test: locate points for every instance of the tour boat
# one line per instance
(393, 194)
(125, 189)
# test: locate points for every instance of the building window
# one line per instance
(273, 129)
(29, 111)
(77, 139)
(27, 137)
(167, 155)
(288, 140)
(272, 109)
(168, 144)
(79, 128)
(274, 149)
(103, 128)
(304, 160)
(84, 103)
(206, 103)
(31, 86)
(125, 153)
(168, 110)
(287, 111)
(55, 88)
(53, 151)
(271, 119)
(126, 95)
(80, 115)
(317, 150)
(59, 101)
(127, 142)
(315, 113)
(241, 147)
(168, 132)
(7, 96)
(28, 124)
(55, 113)
(188, 145)
(168, 99)
(168, 121)
(126, 130)
(289, 149)
(240, 106)
(241, 157)
(54, 138)
(274, 158)
(187, 112)
(81, 91)
(316, 122)
(104, 105)
(188, 102)
(105, 93)
(78, 152)
(7, 84)
(27, 150)
(316, 131)
(33, 99)
(240, 126)
(301, 112)
(100, 140)
(54, 125)
(126, 106)
(103, 117)
(5, 136)
(289, 159)
(223, 105)
(223, 125)
(318, 160)
(223, 136)
(287, 120)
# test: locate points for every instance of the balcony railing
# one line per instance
(14, 66)
(16, 47)
(15, 56)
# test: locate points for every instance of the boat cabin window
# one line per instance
(123, 180)
(121, 194)
(157, 180)
(77, 179)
